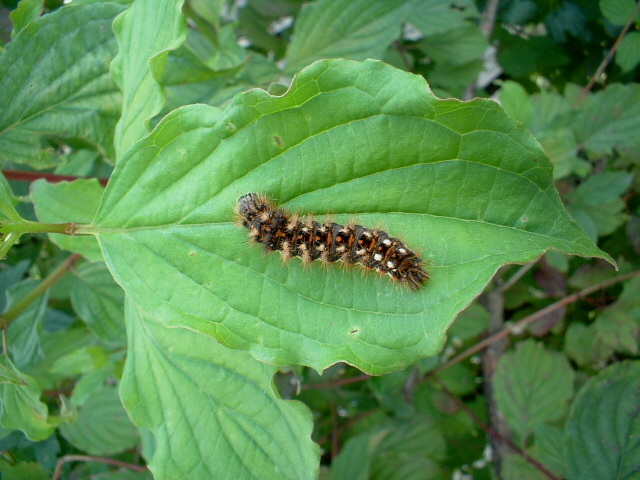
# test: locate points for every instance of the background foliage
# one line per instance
(177, 373)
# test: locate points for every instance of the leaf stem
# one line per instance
(27, 226)
(520, 325)
(22, 304)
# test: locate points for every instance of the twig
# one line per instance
(520, 325)
(91, 458)
(608, 58)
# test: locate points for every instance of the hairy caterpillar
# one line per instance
(329, 242)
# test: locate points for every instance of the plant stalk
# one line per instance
(47, 283)
(27, 226)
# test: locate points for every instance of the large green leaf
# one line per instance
(354, 29)
(54, 79)
(603, 431)
(213, 411)
(533, 386)
(460, 182)
(145, 33)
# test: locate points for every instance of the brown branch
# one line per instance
(488, 20)
(91, 458)
(520, 325)
(603, 65)
(494, 301)
(20, 175)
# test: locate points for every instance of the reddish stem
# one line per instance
(22, 176)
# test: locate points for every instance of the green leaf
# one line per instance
(456, 47)
(603, 430)
(349, 138)
(532, 386)
(399, 450)
(23, 334)
(617, 12)
(24, 14)
(213, 411)
(7, 201)
(516, 467)
(82, 360)
(352, 29)
(210, 10)
(585, 346)
(521, 57)
(99, 301)
(619, 324)
(628, 54)
(75, 201)
(9, 213)
(23, 471)
(354, 460)
(102, 426)
(438, 16)
(471, 322)
(21, 408)
(560, 146)
(224, 55)
(550, 442)
(567, 19)
(56, 346)
(145, 32)
(54, 81)
(618, 330)
(516, 102)
(8, 374)
(596, 203)
(609, 119)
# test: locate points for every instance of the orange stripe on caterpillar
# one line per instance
(329, 242)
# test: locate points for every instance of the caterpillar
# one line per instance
(294, 236)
